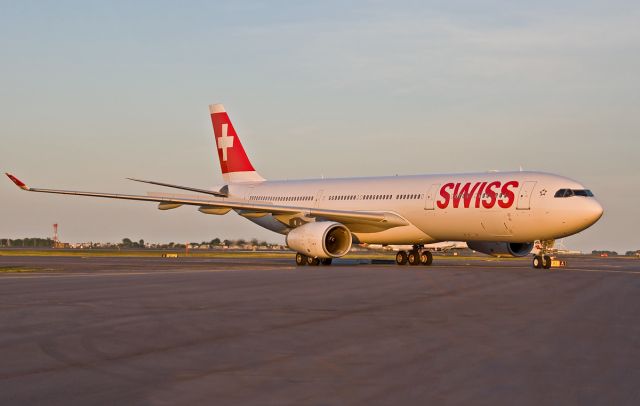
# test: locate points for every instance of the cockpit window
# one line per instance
(573, 192)
(583, 192)
(563, 193)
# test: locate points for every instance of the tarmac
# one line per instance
(153, 331)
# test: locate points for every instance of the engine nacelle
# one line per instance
(501, 249)
(322, 239)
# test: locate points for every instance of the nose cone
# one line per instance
(590, 210)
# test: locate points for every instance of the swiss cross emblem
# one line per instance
(225, 141)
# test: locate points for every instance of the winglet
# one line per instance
(17, 181)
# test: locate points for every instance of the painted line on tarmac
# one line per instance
(596, 270)
(139, 273)
(522, 268)
(466, 267)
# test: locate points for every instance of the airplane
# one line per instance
(495, 213)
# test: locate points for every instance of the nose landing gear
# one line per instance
(542, 260)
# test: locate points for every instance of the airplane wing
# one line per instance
(191, 189)
(354, 220)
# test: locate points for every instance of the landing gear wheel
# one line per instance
(325, 261)
(537, 262)
(311, 261)
(546, 262)
(401, 258)
(301, 260)
(426, 258)
(414, 257)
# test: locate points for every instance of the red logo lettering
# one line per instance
(486, 194)
(480, 194)
(445, 195)
(490, 194)
(507, 194)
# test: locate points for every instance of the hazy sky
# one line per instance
(93, 92)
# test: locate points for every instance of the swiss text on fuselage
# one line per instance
(479, 194)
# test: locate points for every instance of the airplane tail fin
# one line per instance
(234, 163)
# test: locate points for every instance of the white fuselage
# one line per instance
(455, 207)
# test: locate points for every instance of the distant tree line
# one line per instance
(128, 243)
(214, 243)
(606, 252)
(27, 242)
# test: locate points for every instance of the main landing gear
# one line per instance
(416, 256)
(302, 260)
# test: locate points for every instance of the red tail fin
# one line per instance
(234, 163)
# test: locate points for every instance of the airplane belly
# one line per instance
(270, 223)
(496, 223)
(450, 225)
(489, 225)
(408, 235)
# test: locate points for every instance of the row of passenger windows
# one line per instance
(336, 197)
(573, 192)
(360, 197)
(376, 197)
(281, 198)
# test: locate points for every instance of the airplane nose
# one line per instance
(592, 211)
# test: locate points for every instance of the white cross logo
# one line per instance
(225, 142)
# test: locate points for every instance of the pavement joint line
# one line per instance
(192, 271)
(597, 270)
(99, 274)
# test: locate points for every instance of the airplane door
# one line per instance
(248, 192)
(430, 200)
(524, 196)
(318, 197)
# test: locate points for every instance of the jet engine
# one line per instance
(322, 239)
(501, 249)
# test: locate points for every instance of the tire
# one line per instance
(301, 260)
(537, 262)
(413, 258)
(426, 258)
(325, 261)
(546, 262)
(313, 261)
(401, 258)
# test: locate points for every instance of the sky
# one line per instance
(94, 92)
